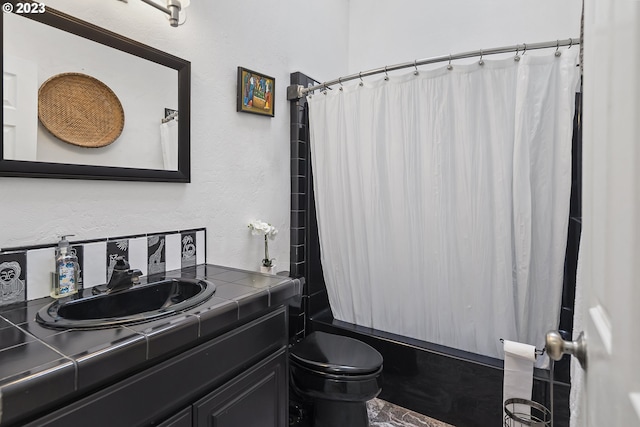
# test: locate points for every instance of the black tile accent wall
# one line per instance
(96, 258)
(561, 369)
(13, 278)
(188, 254)
(156, 254)
(305, 246)
(115, 249)
(299, 200)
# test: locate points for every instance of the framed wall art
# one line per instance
(255, 92)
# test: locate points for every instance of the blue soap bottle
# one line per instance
(65, 278)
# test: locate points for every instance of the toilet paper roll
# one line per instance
(519, 359)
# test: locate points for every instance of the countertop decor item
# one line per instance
(255, 92)
(259, 228)
(80, 109)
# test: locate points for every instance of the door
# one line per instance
(19, 108)
(256, 398)
(611, 213)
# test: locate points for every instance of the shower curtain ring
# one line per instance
(449, 67)
(558, 53)
(570, 43)
(360, 75)
(386, 76)
(415, 64)
(517, 57)
(525, 49)
(481, 62)
(340, 81)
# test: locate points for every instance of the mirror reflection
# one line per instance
(82, 102)
(34, 52)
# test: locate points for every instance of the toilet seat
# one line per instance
(336, 355)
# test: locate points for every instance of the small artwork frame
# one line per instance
(256, 92)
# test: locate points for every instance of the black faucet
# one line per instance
(123, 277)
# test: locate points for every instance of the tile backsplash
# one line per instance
(25, 272)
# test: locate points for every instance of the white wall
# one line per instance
(392, 32)
(240, 162)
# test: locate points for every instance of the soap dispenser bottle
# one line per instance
(65, 278)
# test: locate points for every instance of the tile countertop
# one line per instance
(42, 367)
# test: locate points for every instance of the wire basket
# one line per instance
(523, 412)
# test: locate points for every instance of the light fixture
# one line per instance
(173, 10)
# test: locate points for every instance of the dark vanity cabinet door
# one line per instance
(181, 419)
(257, 398)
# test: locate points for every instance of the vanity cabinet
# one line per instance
(236, 379)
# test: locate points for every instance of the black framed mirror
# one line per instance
(142, 151)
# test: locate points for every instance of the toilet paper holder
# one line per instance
(538, 352)
(520, 411)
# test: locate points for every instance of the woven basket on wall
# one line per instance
(80, 110)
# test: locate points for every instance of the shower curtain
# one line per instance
(443, 200)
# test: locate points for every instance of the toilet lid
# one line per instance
(336, 354)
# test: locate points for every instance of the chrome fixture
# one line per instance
(557, 347)
(296, 92)
(173, 9)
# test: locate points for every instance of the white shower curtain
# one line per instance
(443, 200)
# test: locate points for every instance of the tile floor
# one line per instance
(385, 414)
(381, 414)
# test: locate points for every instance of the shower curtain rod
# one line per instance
(301, 91)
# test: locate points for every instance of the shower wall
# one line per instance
(457, 387)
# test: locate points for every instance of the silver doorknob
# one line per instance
(556, 347)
